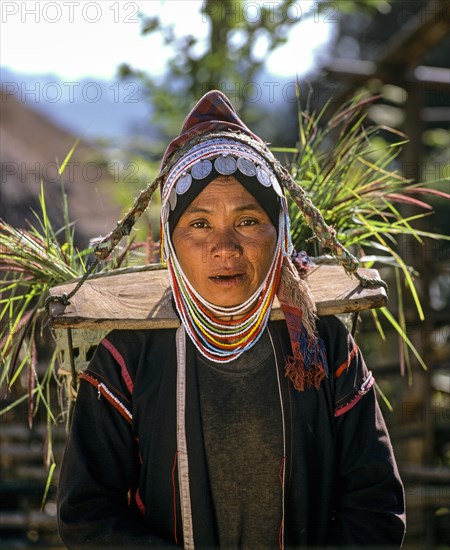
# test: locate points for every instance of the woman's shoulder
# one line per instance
(330, 326)
(348, 371)
(335, 336)
(131, 347)
(129, 338)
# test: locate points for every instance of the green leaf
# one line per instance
(384, 397)
(402, 333)
(68, 157)
(47, 485)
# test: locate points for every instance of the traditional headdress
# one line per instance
(214, 141)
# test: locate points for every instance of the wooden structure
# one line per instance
(32, 148)
(141, 299)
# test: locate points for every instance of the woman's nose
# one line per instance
(226, 244)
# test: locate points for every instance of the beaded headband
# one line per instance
(226, 156)
(229, 156)
(325, 234)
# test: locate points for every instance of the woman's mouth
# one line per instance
(228, 280)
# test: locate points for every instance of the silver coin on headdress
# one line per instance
(173, 199)
(276, 185)
(165, 213)
(246, 166)
(183, 184)
(225, 165)
(201, 169)
(263, 176)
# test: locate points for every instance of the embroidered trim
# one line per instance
(174, 467)
(364, 388)
(183, 462)
(346, 364)
(282, 473)
(139, 503)
(215, 147)
(108, 395)
(119, 358)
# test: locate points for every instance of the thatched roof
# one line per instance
(31, 148)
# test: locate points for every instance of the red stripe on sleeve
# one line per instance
(139, 503)
(346, 364)
(123, 367)
(367, 384)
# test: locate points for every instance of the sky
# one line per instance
(85, 39)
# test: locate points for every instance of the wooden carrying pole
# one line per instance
(141, 299)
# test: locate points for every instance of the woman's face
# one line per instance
(225, 243)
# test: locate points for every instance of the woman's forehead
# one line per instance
(225, 189)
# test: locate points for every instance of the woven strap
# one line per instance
(183, 462)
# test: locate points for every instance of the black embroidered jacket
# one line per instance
(119, 485)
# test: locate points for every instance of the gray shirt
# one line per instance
(242, 429)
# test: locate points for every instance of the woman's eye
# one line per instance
(200, 224)
(248, 222)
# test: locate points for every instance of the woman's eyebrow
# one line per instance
(193, 209)
(249, 206)
(205, 209)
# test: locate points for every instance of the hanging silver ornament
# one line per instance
(173, 199)
(165, 213)
(263, 176)
(201, 169)
(183, 183)
(246, 166)
(225, 165)
(276, 185)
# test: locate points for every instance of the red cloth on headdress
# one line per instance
(213, 112)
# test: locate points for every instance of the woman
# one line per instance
(232, 431)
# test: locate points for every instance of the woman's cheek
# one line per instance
(259, 247)
(253, 251)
